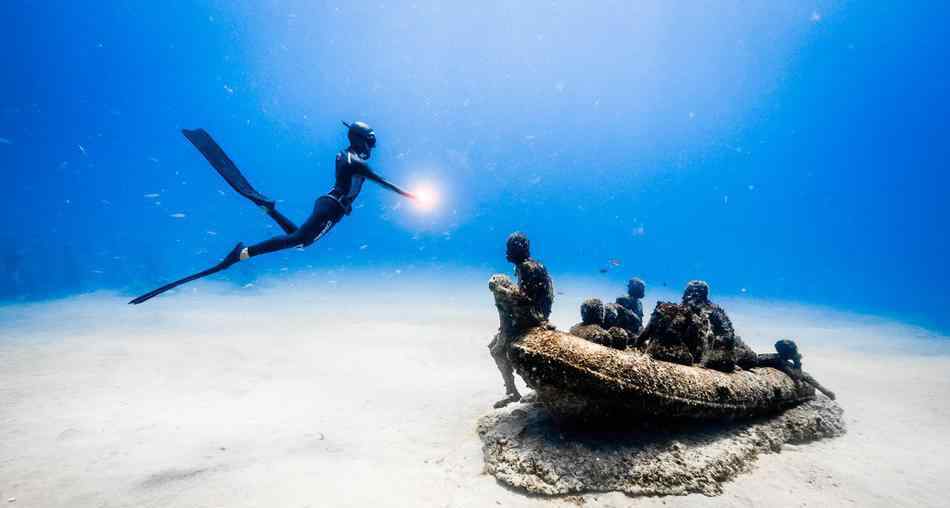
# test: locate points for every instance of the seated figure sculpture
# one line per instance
(591, 326)
(695, 331)
(618, 321)
(636, 289)
(520, 307)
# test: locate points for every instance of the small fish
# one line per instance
(364, 247)
(614, 262)
(604, 270)
(153, 159)
(177, 216)
(212, 233)
(5, 141)
(82, 149)
(152, 195)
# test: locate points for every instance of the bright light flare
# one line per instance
(427, 197)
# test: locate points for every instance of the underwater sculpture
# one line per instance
(636, 289)
(688, 362)
(521, 307)
(695, 331)
(686, 405)
(592, 325)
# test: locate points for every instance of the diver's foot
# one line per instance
(512, 397)
(234, 256)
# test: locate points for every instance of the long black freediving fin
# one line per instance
(225, 166)
(231, 258)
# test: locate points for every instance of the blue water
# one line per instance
(779, 150)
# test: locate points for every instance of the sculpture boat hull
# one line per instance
(574, 377)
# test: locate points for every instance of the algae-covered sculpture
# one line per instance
(591, 327)
(520, 307)
(695, 331)
(636, 289)
(682, 407)
(787, 359)
(687, 363)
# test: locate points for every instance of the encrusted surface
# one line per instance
(577, 378)
(524, 448)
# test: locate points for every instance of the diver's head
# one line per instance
(362, 138)
(517, 249)
(636, 288)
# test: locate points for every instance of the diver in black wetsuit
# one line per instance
(351, 171)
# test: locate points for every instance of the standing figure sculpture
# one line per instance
(520, 307)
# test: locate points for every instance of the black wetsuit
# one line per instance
(351, 172)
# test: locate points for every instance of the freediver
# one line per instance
(351, 171)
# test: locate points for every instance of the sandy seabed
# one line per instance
(365, 391)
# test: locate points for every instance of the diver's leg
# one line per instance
(230, 259)
(326, 213)
(286, 224)
(499, 352)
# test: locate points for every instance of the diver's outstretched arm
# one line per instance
(378, 179)
(367, 172)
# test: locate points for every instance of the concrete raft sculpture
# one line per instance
(681, 405)
(577, 378)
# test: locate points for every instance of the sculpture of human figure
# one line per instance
(520, 307)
